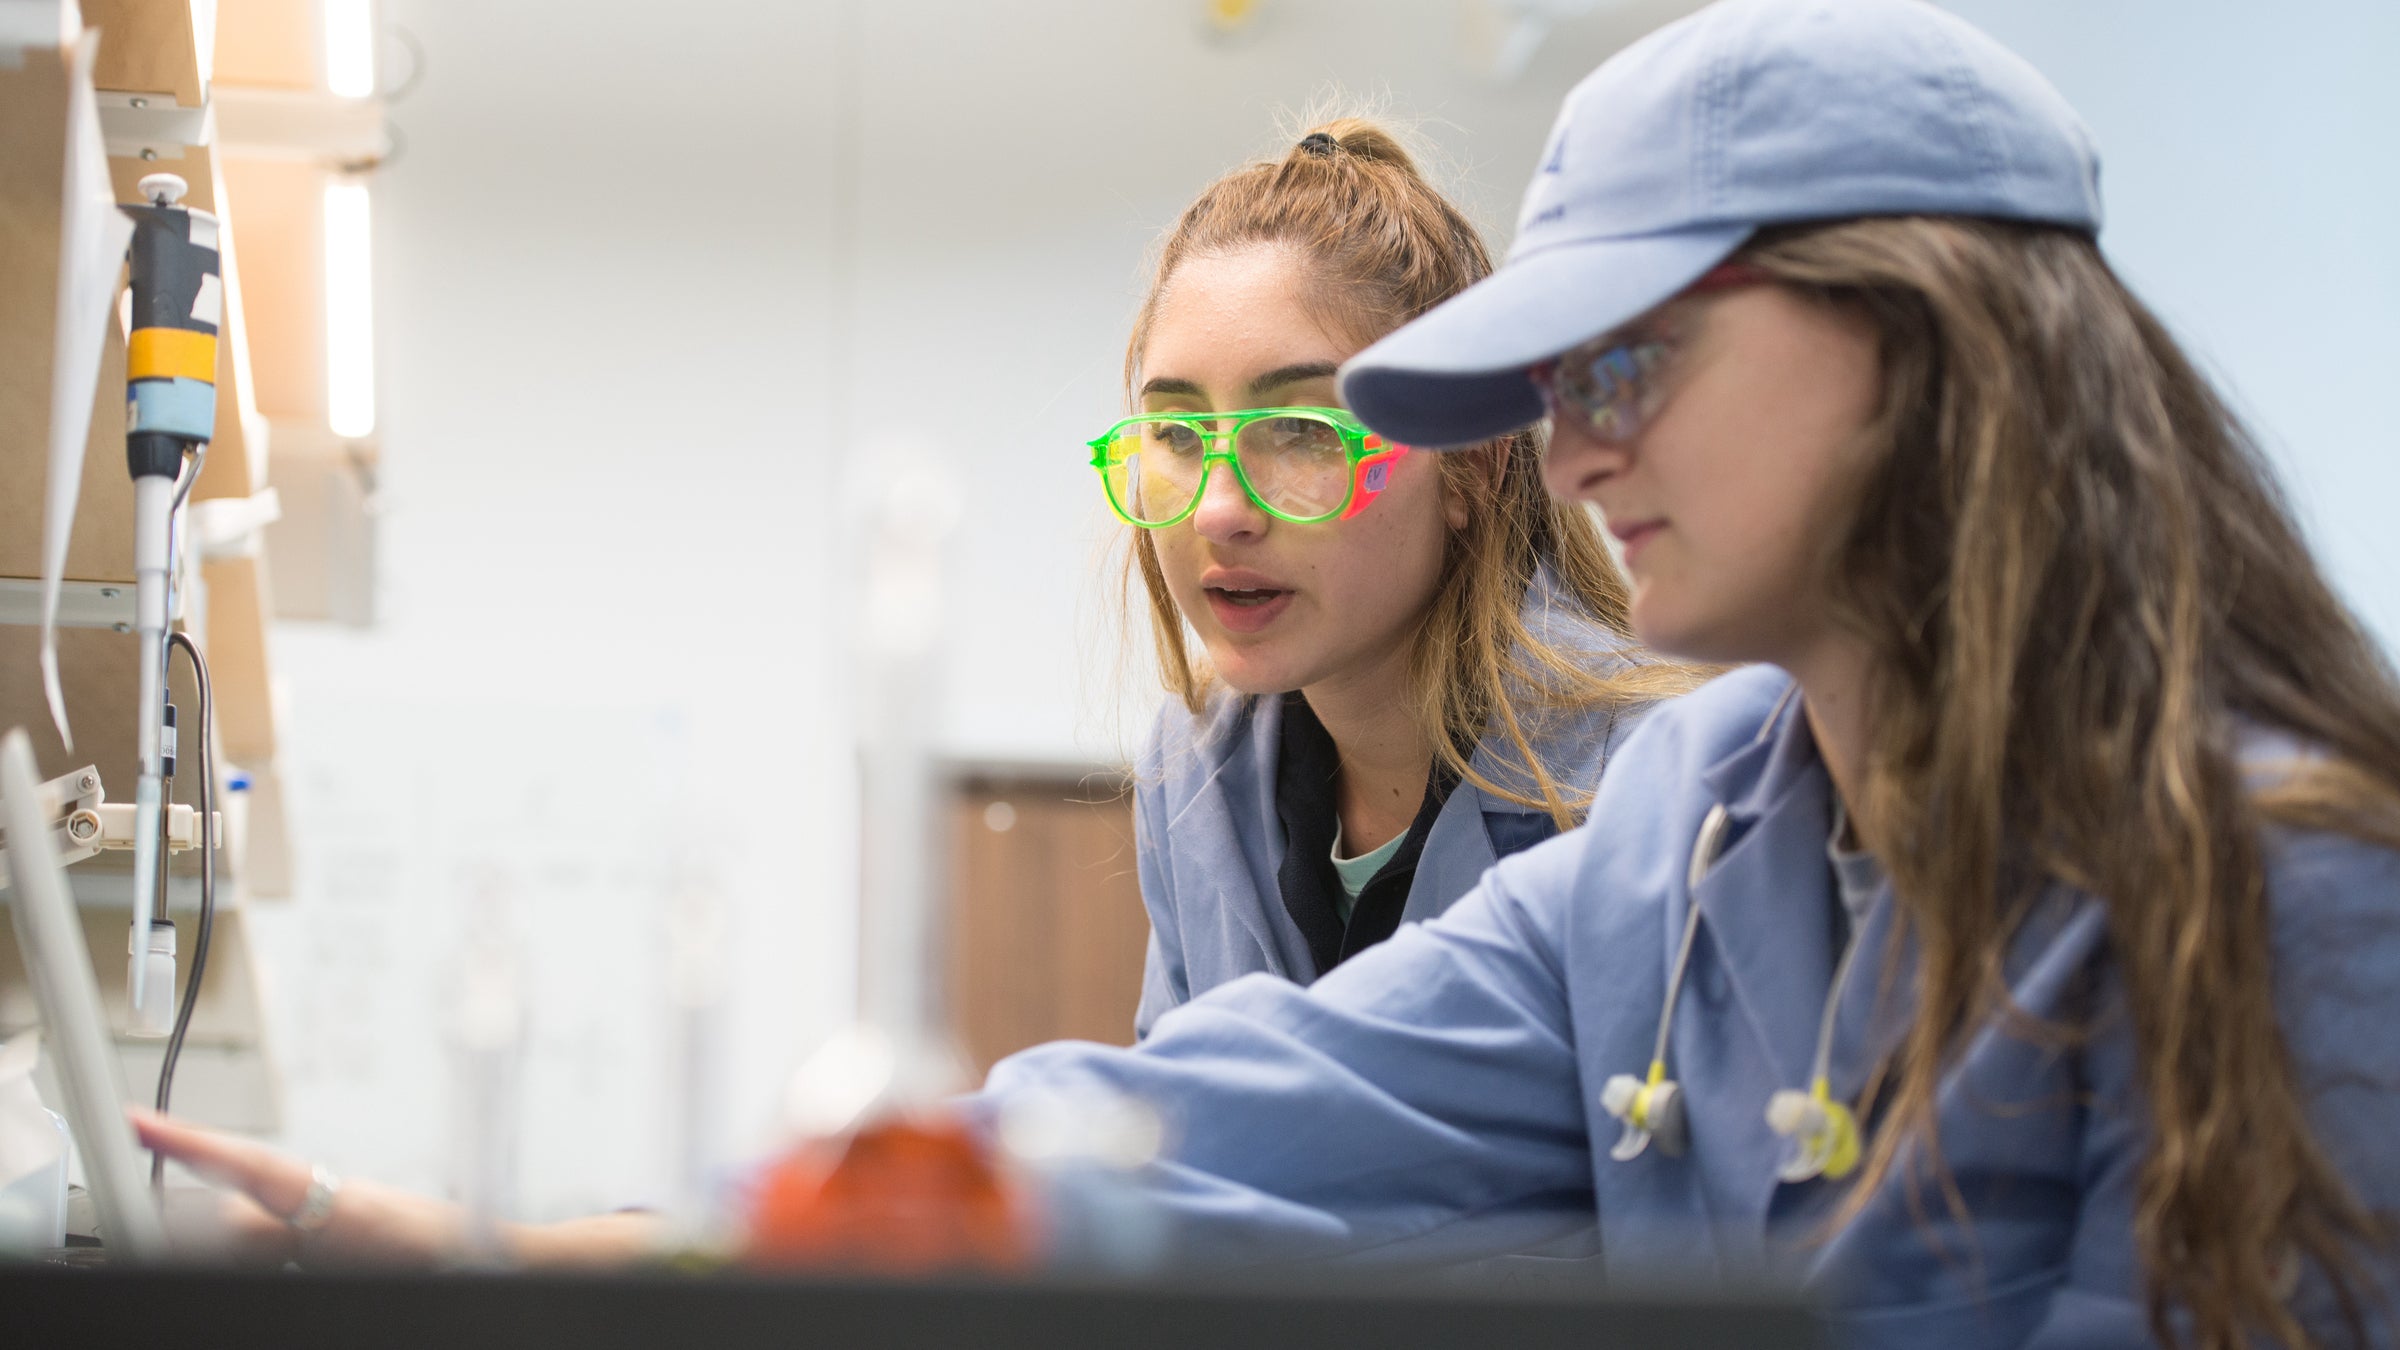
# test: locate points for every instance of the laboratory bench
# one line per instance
(42, 1307)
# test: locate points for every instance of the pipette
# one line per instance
(171, 410)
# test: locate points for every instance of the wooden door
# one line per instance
(1047, 929)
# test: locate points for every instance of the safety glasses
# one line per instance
(1612, 386)
(1301, 465)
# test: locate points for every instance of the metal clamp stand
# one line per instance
(85, 822)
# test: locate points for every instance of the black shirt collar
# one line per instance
(1307, 766)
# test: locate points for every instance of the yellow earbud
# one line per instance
(1651, 1109)
(1823, 1133)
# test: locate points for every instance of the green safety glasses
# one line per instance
(1303, 465)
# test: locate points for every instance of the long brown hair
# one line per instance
(1383, 246)
(2080, 582)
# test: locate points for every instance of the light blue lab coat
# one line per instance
(1209, 839)
(1438, 1097)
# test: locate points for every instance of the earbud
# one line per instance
(1823, 1133)
(1651, 1110)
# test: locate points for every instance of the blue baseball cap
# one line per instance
(1680, 147)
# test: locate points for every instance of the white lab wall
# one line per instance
(607, 614)
(663, 287)
(2251, 166)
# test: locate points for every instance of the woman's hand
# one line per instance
(368, 1223)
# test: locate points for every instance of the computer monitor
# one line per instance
(60, 967)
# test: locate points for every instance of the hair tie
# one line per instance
(1320, 144)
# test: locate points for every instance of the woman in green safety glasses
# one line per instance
(1383, 702)
(1302, 466)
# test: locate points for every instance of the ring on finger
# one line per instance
(316, 1205)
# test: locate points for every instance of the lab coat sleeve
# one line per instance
(2337, 959)
(1165, 982)
(1419, 1103)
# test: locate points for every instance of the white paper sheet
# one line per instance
(91, 248)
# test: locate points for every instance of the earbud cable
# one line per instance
(1820, 1073)
(1704, 852)
(1704, 856)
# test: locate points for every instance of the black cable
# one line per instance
(167, 748)
(208, 888)
(184, 483)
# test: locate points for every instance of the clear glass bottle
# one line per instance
(883, 1177)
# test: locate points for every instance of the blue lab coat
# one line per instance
(1438, 1096)
(1209, 840)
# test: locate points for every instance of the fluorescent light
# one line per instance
(349, 311)
(349, 28)
(204, 37)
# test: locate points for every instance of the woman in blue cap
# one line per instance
(2012, 953)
